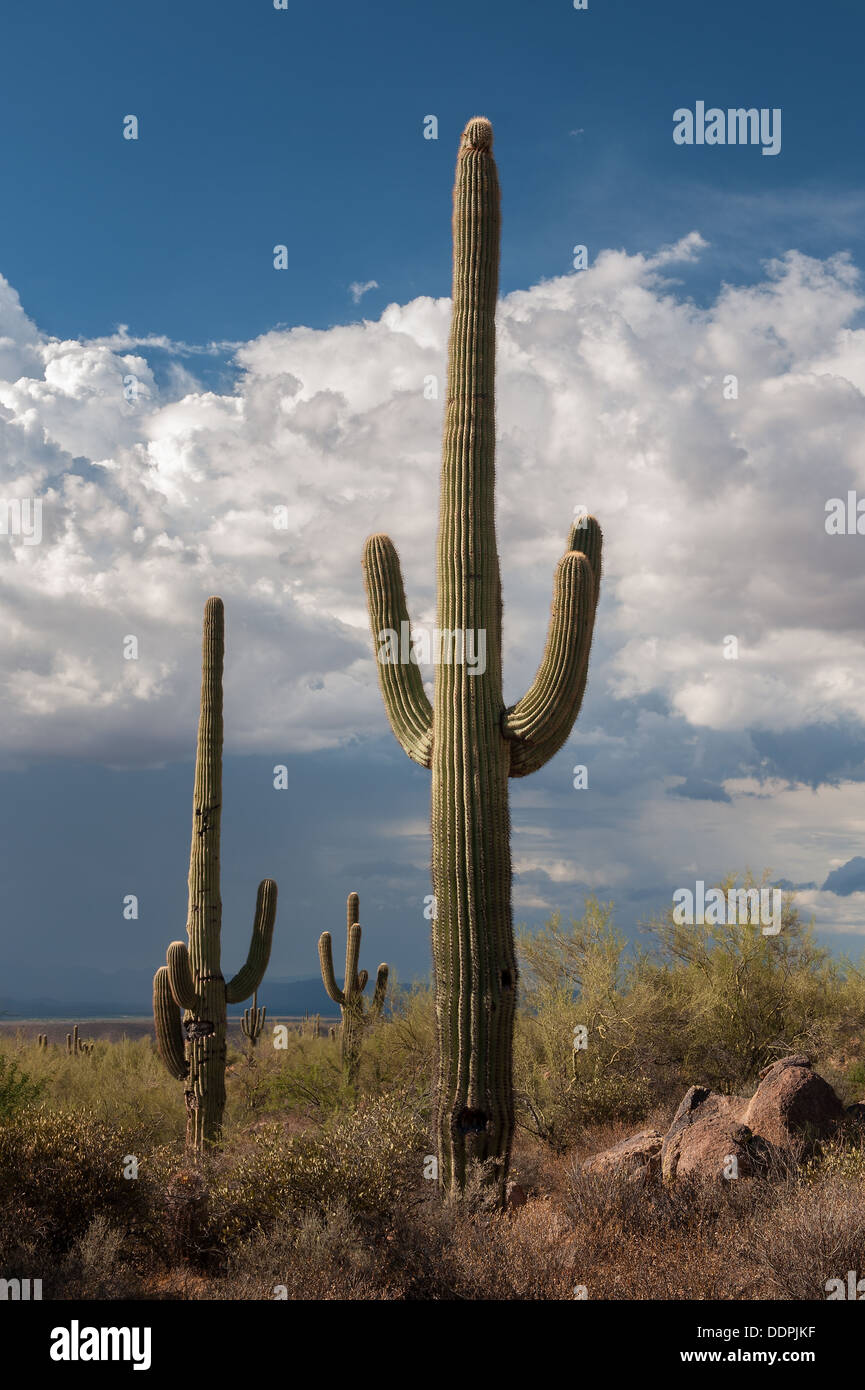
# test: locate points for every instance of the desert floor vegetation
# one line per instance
(321, 1189)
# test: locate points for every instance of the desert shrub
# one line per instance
(17, 1088)
(319, 1255)
(816, 1234)
(304, 1078)
(701, 1003)
(841, 1158)
(124, 1083)
(400, 1051)
(428, 1251)
(585, 974)
(617, 1205)
(367, 1160)
(64, 1169)
(746, 999)
(96, 1266)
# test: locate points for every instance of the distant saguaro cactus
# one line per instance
(469, 739)
(252, 1023)
(192, 979)
(355, 1017)
(74, 1046)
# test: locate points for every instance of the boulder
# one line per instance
(792, 1103)
(706, 1133)
(638, 1156)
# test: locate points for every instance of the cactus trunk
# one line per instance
(471, 742)
(206, 1015)
(192, 979)
(473, 943)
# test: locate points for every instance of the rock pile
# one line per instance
(716, 1136)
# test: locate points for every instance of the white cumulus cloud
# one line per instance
(610, 395)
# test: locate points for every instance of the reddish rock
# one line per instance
(792, 1103)
(706, 1133)
(638, 1156)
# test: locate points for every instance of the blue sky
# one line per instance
(304, 127)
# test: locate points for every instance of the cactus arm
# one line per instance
(406, 702)
(180, 975)
(539, 724)
(166, 1018)
(362, 979)
(587, 537)
(250, 975)
(351, 983)
(325, 956)
(375, 1007)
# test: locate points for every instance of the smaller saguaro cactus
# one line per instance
(191, 980)
(252, 1023)
(74, 1046)
(355, 1016)
(42, 1041)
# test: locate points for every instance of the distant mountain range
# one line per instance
(91, 994)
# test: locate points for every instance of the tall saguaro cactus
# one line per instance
(192, 978)
(355, 1017)
(468, 738)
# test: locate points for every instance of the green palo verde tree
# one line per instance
(192, 978)
(355, 1015)
(467, 737)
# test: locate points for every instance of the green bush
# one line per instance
(700, 1004)
(366, 1161)
(17, 1088)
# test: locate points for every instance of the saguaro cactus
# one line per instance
(74, 1046)
(355, 1016)
(468, 738)
(192, 978)
(252, 1023)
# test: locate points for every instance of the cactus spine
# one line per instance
(192, 978)
(252, 1023)
(471, 742)
(355, 1017)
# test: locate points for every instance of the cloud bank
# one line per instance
(614, 393)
